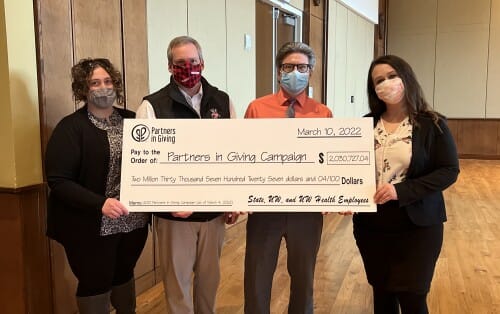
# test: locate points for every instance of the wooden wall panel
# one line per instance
(380, 34)
(264, 53)
(135, 52)
(454, 126)
(315, 10)
(316, 43)
(36, 249)
(11, 264)
(314, 36)
(498, 140)
(56, 59)
(476, 138)
(97, 30)
(25, 286)
(67, 32)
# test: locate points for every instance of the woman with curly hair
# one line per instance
(101, 239)
(415, 160)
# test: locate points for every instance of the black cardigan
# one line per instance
(433, 167)
(76, 165)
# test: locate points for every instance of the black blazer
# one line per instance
(76, 165)
(433, 167)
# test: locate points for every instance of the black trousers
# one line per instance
(302, 233)
(99, 263)
(387, 302)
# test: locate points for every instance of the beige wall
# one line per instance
(299, 4)
(413, 37)
(453, 46)
(219, 26)
(19, 114)
(350, 51)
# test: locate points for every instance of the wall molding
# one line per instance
(22, 189)
(476, 138)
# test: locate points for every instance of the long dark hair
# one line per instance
(413, 93)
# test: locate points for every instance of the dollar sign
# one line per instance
(321, 160)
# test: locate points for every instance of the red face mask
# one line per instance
(188, 75)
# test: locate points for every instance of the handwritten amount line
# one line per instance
(224, 184)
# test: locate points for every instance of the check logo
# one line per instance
(140, 133)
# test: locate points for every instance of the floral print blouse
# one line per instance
(392, 152)
(114, 128)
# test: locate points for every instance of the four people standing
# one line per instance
(415, 161)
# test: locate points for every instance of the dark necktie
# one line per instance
(290, 112)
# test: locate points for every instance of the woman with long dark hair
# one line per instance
(416, 159)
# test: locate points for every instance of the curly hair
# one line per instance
(82, 72)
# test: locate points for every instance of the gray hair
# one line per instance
(295, 47)
(180, 41)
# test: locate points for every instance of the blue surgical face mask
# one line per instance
(294, 82)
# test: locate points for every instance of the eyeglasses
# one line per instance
(289, 67)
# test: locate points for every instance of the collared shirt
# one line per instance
(276, 105)
(146, 111)
(194, 101)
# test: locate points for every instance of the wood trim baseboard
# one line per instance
(476, 138)
(480, 157)
(24, 189)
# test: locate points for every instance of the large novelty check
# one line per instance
(248, 165)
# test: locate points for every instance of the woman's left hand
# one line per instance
(385, 192)
(112, 208)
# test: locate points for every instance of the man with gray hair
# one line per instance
(302, 231)
(189, 243)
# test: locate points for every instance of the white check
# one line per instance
(248, 165)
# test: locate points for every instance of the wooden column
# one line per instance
(314, 34)
(380, 34)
